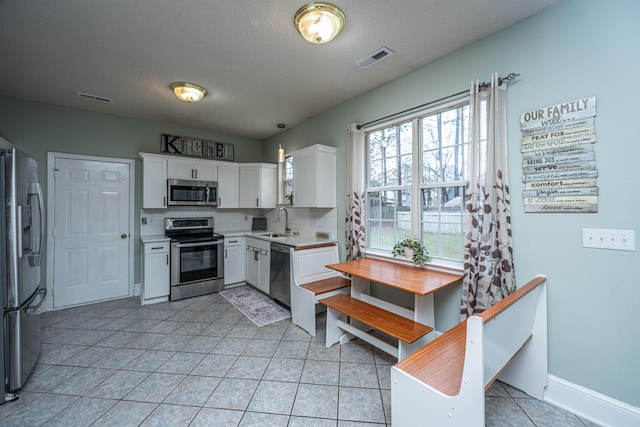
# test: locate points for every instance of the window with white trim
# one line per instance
(287, 179)
(416, 178)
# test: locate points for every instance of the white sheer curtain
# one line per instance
(488, 251)
(356, 198)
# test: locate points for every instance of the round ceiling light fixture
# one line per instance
(188, 92)
(319, 22)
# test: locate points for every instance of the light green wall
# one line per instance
(40, 128)
(576, 49)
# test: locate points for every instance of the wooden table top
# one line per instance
(408, 278)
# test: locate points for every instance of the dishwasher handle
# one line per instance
(280, 248)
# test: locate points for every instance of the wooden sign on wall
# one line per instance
(196, 147)
(558, 161)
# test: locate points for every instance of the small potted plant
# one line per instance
(412, 249)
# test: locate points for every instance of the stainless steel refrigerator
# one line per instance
(22, 230)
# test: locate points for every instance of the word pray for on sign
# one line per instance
(558, 161)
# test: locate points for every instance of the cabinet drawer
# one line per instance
(233, 241)
(259, 244)
(156, 247)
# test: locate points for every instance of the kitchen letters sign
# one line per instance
(558, 161)
(196, 147)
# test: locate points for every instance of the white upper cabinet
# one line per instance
(240, 185)
(228, 185)
(314, 177)
(154, 181)
(257, 187)
(198, 170)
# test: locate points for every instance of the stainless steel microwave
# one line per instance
(183, 192)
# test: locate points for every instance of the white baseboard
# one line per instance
(590, 405)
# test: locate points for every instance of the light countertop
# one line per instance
(292, 240)
(154, 238)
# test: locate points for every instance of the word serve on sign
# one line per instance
(558, 161)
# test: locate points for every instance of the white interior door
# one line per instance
(91, 218)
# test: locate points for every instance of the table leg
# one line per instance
(333, 331)
(360, 286)
(424, 311)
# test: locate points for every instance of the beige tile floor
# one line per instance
(201, 362)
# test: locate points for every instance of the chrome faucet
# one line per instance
(287, 230)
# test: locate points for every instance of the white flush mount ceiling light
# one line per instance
(319, 22)
(188, 92)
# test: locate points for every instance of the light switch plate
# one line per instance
(604, 238)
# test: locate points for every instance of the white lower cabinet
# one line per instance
(258, 257)
(234, 260)
(155, 272)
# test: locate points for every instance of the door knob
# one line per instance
(123, 236)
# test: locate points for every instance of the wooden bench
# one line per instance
(408, 333)
(311, 280)
(327, 285)
(444, 383)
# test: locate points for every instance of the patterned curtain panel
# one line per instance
(355, 220)
(488, 251)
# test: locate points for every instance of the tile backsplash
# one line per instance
(305, 221)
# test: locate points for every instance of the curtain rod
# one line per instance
(508, 77)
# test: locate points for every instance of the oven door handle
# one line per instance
(191, 245)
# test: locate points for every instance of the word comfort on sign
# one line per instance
(558, 161)
(196, 147)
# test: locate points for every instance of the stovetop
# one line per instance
(195, 237)
(187, 230)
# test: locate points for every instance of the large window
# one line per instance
(416, 181)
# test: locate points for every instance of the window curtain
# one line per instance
(355, 218)
(488, 252)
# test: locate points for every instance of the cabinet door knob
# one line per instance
(123, 236)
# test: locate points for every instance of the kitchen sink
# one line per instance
(273, 235)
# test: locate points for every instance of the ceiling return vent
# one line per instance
(94, 97)
(374, 58)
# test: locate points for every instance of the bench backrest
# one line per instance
(503, 329)
(308, 264)
(444, 382)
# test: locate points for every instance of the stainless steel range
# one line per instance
(197, 257)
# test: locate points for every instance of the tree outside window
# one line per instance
(437, 154)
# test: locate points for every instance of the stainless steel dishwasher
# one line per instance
(279, 273)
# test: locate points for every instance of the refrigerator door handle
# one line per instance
(33, 309)
(19, 231)
(36, 257)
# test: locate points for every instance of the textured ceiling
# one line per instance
(247, 53)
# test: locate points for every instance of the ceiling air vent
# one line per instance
(94, 97)
(375, 57)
